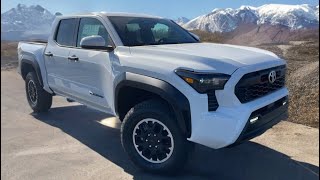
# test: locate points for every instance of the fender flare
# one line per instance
(35, 66)
(179, 102)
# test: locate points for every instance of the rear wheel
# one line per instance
(38, 99)
(152, 138)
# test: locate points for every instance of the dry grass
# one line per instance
(307, 51)
(8, 54)
(209, 37)
(8, 49)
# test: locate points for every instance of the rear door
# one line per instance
(91, 72)
(56, 55)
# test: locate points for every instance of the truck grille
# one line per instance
(212, 101)
(256, 84)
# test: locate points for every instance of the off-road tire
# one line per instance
(155, 109)
(42, 100)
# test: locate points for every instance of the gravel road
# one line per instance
(75, 142)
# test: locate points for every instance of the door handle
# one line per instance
(73, 58)
(48, 54)
(94, 94)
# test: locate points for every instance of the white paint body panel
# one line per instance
(101, 71)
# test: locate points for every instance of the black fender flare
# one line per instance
(35, 66)
(178, 101)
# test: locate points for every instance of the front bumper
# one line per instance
(266, 118)
(227, 126)
(229, 123)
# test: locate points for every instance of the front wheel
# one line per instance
(152, 138)
(38, 99)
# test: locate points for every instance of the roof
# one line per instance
(108, 14)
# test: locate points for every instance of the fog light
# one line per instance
(253, 120)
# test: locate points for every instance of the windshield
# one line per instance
(138, 31)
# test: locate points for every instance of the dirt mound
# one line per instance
(304, 95)
(302, 79)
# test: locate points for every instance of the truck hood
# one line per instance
(221, 58)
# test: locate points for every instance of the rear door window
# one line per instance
(66, 32)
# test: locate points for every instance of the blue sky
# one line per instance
(165, 8)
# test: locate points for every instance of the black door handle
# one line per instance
(73, 58)
(48, 54)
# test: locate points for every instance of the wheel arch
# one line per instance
(135, 88)
(28, 65)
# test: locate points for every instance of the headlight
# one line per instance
(203, 82)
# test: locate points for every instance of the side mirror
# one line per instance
(94, 42)
(195, 36)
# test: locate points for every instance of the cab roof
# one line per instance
(108, 14)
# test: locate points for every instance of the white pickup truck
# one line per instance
(166, 87)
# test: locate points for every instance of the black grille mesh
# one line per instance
(212, 101)
(256, 84)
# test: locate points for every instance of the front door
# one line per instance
(91, 70)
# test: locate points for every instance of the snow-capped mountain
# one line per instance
(293, 16)
(23, 18)
(223, 20)
(26, 21)
(182, 20)
(226, 20)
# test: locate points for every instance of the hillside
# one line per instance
(266, 34)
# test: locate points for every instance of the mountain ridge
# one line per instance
(228, 19)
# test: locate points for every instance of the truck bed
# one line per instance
(32, 47)
(34, 42)
(32, 51)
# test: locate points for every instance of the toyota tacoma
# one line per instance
(167, 88)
